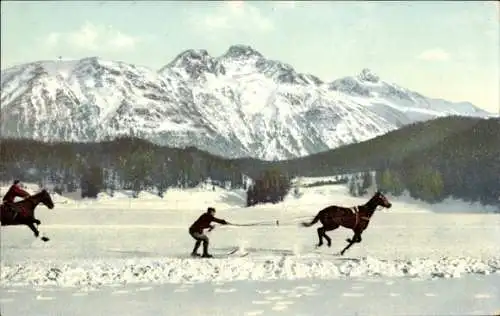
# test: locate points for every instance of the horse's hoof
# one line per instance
(45, 239)
(349, 240)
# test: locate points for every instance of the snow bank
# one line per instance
(94, 273)
(311, 198)
(338, 194)
(448, 205)
(302, 181)
(117, 195)
(194, 198)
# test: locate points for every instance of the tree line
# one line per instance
(447, 157)
(465, 164)
(128, 163)
(122, 164)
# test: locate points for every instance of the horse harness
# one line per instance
(355, 210)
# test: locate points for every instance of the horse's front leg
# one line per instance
(356, 238)
(351, 241)
(346, 247)
(32, 226)
(35, 230)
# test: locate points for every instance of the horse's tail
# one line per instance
(314, 221)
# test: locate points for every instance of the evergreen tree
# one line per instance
(272, 186)
(425, 184)
(389, 181)
(353, 186)
(366, 182)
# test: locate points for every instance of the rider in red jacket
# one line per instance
(14, 191)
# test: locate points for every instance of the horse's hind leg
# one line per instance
(321, 233)
(327, 229)
(328, 239)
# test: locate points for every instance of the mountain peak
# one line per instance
(238, 51)
(368, 75)
(194, 62)
(190, 56)
(241, 104)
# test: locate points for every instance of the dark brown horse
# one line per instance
(356, 218)
(26, 215)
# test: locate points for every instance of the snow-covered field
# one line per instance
(122, 256)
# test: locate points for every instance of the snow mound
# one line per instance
(144, 195)
(338, 194)
(117, 195)
(194, 198)
(59, 199)
(305, 199)
(95, 273)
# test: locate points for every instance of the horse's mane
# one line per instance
(370, 204)
(42, 191)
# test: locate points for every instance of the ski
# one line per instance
(232, 251)
(232, 254)
(224, 255)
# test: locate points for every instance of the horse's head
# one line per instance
(381, 200)
(46, 199)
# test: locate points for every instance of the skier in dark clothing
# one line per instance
(196, 231)
(13, 192)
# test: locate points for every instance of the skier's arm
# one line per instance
(220, 221)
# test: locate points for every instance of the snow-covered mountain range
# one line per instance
(238, 104)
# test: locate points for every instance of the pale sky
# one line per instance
(448, 50)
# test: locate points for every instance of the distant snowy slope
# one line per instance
(238, 104)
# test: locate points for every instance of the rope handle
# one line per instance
(266, 223)
(271, 223)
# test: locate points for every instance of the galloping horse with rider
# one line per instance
(23, 212)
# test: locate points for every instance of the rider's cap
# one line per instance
(16, 181)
